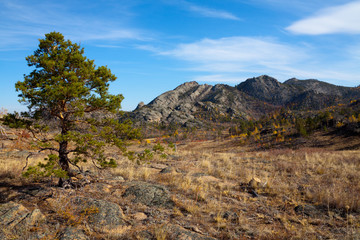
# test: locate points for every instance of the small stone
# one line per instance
(158, 166)
(168, 170)
(195, 229)
(308, 210)
(254, 183)
(119, 178)
(139, 216)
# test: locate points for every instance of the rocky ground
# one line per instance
(204, 190)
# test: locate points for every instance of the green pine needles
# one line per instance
(68, 95)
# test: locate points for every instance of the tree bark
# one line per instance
(64, 160)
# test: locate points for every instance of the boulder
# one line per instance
(308, 210)
(158, 166)
(254, 183)
(71, 233)
(149, 194)
(16, 221)
(103, 215)
(178, 232)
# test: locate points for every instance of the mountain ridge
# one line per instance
(191, 103)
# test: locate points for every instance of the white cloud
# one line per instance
(233, 59)
(203, 11)
(149, 48)
(24, 22)
(207, 12)
(230, 54)
(301, 6)
(339, 19)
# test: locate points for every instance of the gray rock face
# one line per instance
(186, 103)
(16, 222)
(106, 215)
(266, 89)
(190, 101)
(149, 194)
(177, 232)
(71, 233)
(173, 106)
(309, 94)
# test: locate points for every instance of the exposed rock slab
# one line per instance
(16, 221)
(191, 103)
(71, 233)
(105, 215)
(177, 232)
(149, 194)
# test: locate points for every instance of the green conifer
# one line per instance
(63, 93)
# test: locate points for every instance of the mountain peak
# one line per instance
(187, 85)
(263, 79)
(264, 87)
(190, 100)
(261, 82)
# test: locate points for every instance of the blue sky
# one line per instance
(152, 46)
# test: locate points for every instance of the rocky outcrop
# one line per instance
(308, 94)
(71, 233)
(178, 232)
(104, 215)
(17, 222)
(173, 106)
(149, 194)
(266, 89)
(191, 103)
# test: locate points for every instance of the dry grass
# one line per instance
(209, 186)
(327, 180)
(210, 182)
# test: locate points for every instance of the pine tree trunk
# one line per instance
(64, 161)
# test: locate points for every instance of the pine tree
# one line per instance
(63, 93)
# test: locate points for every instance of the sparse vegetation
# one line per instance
(300, 194)
(289, 174)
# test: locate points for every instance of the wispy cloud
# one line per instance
(235, 54)
(339, 19)
(235, 58)
(301, 6)
(207, 12)
(23, 22)
(203, 11)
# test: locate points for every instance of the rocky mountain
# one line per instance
(300, 94)
(191, 103)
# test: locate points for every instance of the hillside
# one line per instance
(287, 174)
(202, 191)
(191, 103)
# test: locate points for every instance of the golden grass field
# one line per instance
(228, 192)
